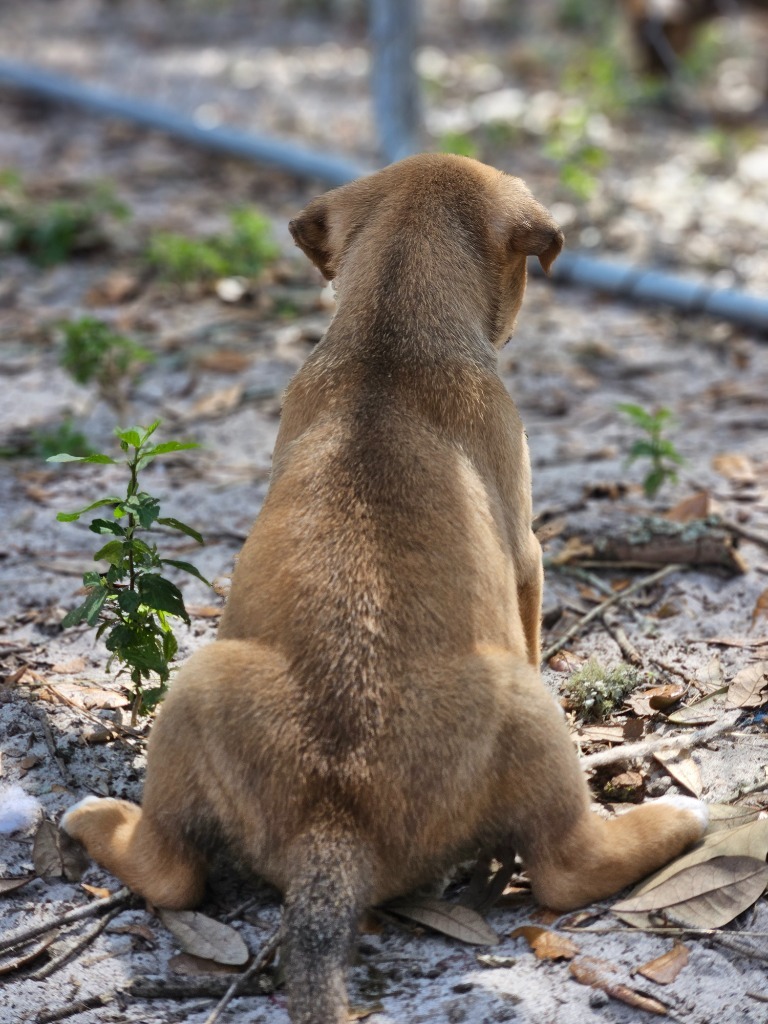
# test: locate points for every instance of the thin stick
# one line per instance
(72, 1009)
(20, 938)
(77, 946)
(65, 773)
(600, 609)
(267, 951)
(650, 746)
(742, 531)
(629, 652)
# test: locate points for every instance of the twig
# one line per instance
(650, 746)
(50, 742)
(134, 734)
(77, 946)
(628, 650)
(213, 987)
(600, 609)
(72, 1009)
(742, 531)
(258, 965)
(20, 938)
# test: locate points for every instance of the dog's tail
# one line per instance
(327, 893)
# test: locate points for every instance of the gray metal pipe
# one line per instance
(637, 284)
(105, 103)
(643, 284)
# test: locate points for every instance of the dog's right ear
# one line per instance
(538, 235)
(310, 232)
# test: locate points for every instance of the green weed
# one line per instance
(660, 451)
(243, 252)
(131, 602)
(594, 692)
(92, 352)
(50, 233)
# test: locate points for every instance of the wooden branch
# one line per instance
(258, 965)
(77, 946)
(25, 935)
(599, 610)
(650, 746)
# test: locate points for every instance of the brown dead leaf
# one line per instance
(748, 841)
(68, 667)
(748, 688)
(86, 697)
(225, 360)
(626, 787)
(662, 697)
(139, 931)
(682, 768)
(95, 890)
(589, 970)
(565, 661)
(204, 937)
(761, 608)
(725, 816)
(573, 548)
(450, 919)
(546, 944)
(12, 884)
(735, 467)
(188, 964)
(602, 734)
(46, 856)
(118, 286)
(363, 1012)
(665, 968)
(205, 611)
(217, 403)
(731, 641)
(696, 506)
(705, 895)
(710, 679)
(701, 712)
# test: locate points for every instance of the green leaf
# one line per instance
(186, 567)
(637, 413)
(149, 431)
(112, 552)
(170, 646)
(653, 482)
(69, 517)
(128, 601)
(642, 449)
(144, 507)
(88, 611)
(169, 446)
(106, 526)
(162, 595)
(129, 436)
(134, 644)
(176, 524)
(63, 457)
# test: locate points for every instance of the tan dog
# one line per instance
(372, 711)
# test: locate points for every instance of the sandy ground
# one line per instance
(574, 357)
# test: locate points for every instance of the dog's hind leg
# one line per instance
(128, 842)
(574, 856)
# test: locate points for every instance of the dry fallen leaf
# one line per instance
(225, 360)
(546, 944)
(96, 890)
(735, 467)
(362, 1012)
(696, 506)
(218, 403)
(565, 661)
(450, 919)
(87, 697)
(682, 768)
(573, 548)
(589, 970)
(188, 964)
(12, 884)
(761, 608)
(701, 712)
(204, 937)
(710, 679)
(749, 688)
(45, 851)
(725, 816)
(749, 840)
(69, 667)
(706, 895)
(665, 968)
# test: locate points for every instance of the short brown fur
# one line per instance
(372, 709)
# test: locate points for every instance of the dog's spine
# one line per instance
(323, 902)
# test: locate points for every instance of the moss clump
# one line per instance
(594, 692)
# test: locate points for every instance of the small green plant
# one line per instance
(578, 158)
(64, 435)
(93, 352)
(49, 233)
(243, 252)
(131, 602)
(594, 692)
(459, 143)
(659, 450)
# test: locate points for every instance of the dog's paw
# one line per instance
(67, 823)
(690, 804)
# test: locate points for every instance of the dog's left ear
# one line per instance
(536, 234)
(310, 232)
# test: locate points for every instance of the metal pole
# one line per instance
(395, 86)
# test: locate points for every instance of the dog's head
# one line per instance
(461, 226)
